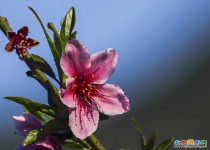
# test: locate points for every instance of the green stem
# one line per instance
(94, 143)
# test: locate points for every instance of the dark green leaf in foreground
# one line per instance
(31, 137)
(140, 132)
(165, 145)
(34, 106)
(38, 114)
(151, 142)
(75, 144)
(42, 65)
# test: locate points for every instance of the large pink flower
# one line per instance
(86, 93)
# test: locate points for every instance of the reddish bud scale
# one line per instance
(20, 42)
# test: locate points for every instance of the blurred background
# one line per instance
(163, 66)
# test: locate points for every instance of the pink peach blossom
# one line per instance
(86, 93)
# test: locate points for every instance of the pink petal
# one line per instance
(75, 60)
(67, 96)
(46, 143)
(83, 121)
(102, 66)
(49, 142)
(112, 100)
(24, 124)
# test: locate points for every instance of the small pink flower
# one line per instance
(24, 124)
(86, 92)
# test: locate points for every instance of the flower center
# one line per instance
(85, 91)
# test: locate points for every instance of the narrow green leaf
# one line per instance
(53, 97)
(50, 42)
(38, 114)
(42, 65)
(51, 127)
(54, 51)
(41, 78)
(34, 106)
(74, 144)
(31, 138)
(74, 35)
(165, 145)
(140, 132)
(67, 25)
(151, 142)
(57, 39)
(83, 143)
(4, 25)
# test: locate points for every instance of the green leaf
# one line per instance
(67, 25)
(83, 143)
(57, 39)
(151, 142)
(31, 137)
(74, 35)
(165, 145)
(34, 106)
(53, 97)
(74, 144)
(42, 65)
(4, 25)
(51, 127)
(55, 53)
(140, 132)
(38, 114)
(50, 42)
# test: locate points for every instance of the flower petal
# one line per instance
(11, 35)
(29, 147)
(49, 142)
(31, 43)
(46, 143)
(102, 66)
(75, 60)
(10, 46)
(112, 100)
(83, 121)
(67, 96)
(23, 31)
(33, 147)
(24, 124)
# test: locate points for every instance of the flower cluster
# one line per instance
(75, 109)
(83, 98)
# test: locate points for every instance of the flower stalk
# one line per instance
(94, 143)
